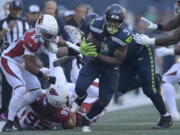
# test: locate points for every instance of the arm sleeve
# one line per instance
(170, 25)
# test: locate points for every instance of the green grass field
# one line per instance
(134, 121)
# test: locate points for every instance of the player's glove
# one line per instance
(143, 39)
(52, 47)
(163, 51)
(52, 79)
(148, 24)
(88, 49)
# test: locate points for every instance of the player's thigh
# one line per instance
(126, 74)
(173, 74)
(12, 73)
(31, 80)
(87, 75)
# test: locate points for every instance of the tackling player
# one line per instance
(22, 51)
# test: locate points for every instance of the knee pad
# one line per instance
(36, 93)
(19, 91)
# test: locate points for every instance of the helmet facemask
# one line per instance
(113, 25)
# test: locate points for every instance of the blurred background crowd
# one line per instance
(72, 11)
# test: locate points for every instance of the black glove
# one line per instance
(79, 61)
(52, 79)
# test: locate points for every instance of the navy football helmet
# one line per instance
(114, 17)
(86, 21)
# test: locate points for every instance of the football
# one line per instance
(94, 40)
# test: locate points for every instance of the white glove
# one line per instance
(148, 24)
(53, 47)
(163, 51)
(45, 70)
(143, 39)
(75, 47)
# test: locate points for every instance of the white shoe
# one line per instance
(86, 129)
(75, 107)
(176, 117)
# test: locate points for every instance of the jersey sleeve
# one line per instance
(123, 38)
(31, 42)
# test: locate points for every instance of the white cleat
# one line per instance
(176, 117)
(86, 129)
(75, 107)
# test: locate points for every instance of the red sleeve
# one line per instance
(62, 115)
(31, 42)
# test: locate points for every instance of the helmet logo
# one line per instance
(40, 20)
(114, 17)
(53, 92)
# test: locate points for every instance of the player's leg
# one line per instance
(86, 76)
(108, 83)
(146, 72)
(15, 79)
(33, 89)
(169, 78)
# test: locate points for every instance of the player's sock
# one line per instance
(29, 98)
(96, 109)
(15, 102)
(159, 103)
(169, 96)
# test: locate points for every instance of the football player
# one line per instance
(22, 51)
(47, 112)
(169, 78)
(139, 61)
(111, 38)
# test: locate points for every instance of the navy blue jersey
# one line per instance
(133, 50)
(109, 43)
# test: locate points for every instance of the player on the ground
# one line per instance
(48, 112)
(111, 38)
(22, 51)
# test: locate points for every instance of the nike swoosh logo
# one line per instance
(139, 59)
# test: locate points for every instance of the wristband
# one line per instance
(72, 52)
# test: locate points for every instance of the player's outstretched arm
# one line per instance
(170, 25)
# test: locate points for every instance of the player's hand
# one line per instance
(163, 51)
(148, 24)
(87, 48)
(52, 79)
(45, 70)
(143, 39)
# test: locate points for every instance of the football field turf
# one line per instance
(133, 121)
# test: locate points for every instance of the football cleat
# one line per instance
(86, 129)
(165, 122)
(9, 127)
(75, 107)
